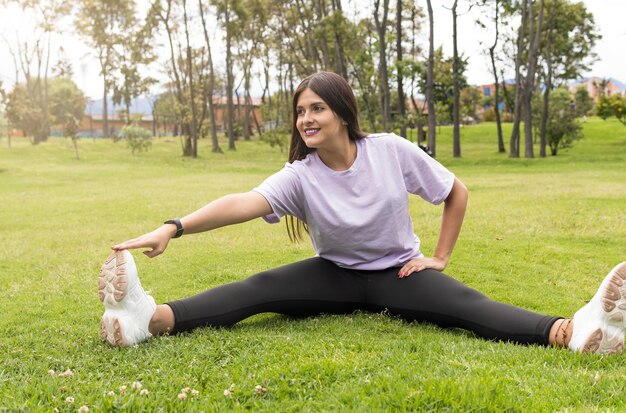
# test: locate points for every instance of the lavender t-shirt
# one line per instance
(359, 218)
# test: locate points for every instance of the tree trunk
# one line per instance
(529, 88)
(105, 107)
(340, 58)
(401, 97)
(517, 110)
(496, 97)
(548, 85)
(381, 28)
(215, 146)
(229, 80)
(193, 128)
(456, 130)
(430, 84)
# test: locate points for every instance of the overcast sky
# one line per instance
(609, 16)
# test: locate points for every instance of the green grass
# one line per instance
(539, 233)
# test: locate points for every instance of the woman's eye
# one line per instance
(300, 112)
(318, 108)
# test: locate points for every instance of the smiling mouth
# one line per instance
(309, 132)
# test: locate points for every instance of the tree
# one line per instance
(103, 24)
(562, 128)
(583, 101)
(496, 82)
(609, 106)
(470, 98)
(567, 42)
(134, 54)
(529, 83)
(66, 101)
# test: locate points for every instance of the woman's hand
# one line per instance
(423, 263)
(156, 240)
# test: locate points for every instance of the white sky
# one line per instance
(609, 17)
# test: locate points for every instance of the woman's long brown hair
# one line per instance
(339, 97)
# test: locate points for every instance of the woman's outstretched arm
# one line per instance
(227, 210)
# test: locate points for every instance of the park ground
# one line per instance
(539, 233)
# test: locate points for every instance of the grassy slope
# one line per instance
(539, 233)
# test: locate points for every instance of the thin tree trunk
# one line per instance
(456, 131)
(535, 38)
(381, 28)
(229, 80)
(401, 97)
(215, 146)
(496, 97)
(546, 94)
(517, 110)
(430, 84)
(193, 129)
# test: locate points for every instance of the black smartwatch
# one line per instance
(179, 227)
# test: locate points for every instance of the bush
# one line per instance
(138, 139)
(277, 137)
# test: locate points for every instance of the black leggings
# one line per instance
(317, 286)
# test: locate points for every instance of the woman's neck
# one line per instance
(340, 158)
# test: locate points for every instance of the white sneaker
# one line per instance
(128, 308)
(599, 326)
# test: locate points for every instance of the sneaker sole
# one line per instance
(613, 302)
(113, 280)
(599, 342)
(111, 331)
(613, 296)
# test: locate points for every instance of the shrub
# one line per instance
(138, 139)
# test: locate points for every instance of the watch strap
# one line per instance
(179, 226)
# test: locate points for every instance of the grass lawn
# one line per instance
(539, 233)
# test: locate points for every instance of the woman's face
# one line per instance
(319, 126)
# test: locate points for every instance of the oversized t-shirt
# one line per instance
(359, 218)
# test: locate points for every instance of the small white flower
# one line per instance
(50, 372)
(258, 389)
(111, 393)
(136, 385)
(194, 393)
(56, 410)
(182, 396)
(66, 373)
(186, 390)
(69, 400)
(122, 389)
(144, 392)
(227, 393)
(83, 409)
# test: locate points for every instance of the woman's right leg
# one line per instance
(303, 288)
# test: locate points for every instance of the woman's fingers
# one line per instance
(419, 264)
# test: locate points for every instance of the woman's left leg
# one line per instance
(431, 296)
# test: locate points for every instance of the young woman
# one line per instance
(348, 190)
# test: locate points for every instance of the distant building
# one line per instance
(597, 85)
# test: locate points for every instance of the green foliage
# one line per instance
(584, 102)
(65, 101)
(23, 110)
(562, 127)
(612, 106)
(137, 139)
(277, 137)
(470, 100)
